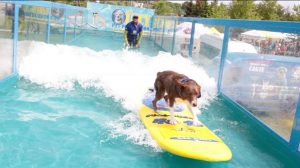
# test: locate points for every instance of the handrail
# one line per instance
(276, 26)
(46, 4)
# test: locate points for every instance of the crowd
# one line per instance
(290, 47)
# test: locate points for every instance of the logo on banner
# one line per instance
(118, 16)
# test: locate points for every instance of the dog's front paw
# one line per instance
(155, 109)
(173, 121)
(196, 123)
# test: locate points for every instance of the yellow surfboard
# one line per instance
(182, 139)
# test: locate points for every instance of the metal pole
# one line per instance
(15, 36)
(295, 135)
(82, 21)
(151, 26)
(155, 31)
(174, 35)
(48, 26)
(223, 57)
(65, 26)
(192, 40)
(162, 36)
(86, 20)
(75, 22)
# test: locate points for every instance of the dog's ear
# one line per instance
(180, 83)
(180, 86)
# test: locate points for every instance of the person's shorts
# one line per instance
(132, 43)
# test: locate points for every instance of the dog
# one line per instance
(176, 86)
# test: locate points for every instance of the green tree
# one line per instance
(291, 16)
(296, 9)
(201, 8)
(269, 10)
(162, 8)
(167, 8)
(177, 9)
(188, 8)
(240, 9)
(218, 11)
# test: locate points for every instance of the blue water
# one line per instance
(48, 127)
(58, 128)
(114, 41)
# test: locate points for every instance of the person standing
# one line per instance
(133, 33)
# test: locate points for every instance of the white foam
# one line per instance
(123, 75)
(131, 126)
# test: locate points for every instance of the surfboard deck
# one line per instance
(183, 139)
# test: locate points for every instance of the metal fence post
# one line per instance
(162, 37)
(223, 57)
(15, 32)
(75, 22)
(86, 21)
(82, 23)
(192, 40)
(155, 31)
(48, 25)
(65, 25)
(295, 135)
(151, 26)
(174, 35)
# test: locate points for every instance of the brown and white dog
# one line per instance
(176, 86)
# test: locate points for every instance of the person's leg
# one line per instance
(130, 43)
(135, 42)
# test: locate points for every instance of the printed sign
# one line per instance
(115, 18)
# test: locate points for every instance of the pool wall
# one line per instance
(57, 23)
(239, 70)
(49, 22)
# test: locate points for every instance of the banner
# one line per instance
(115, 18)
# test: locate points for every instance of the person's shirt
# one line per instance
(133, 30)
(10, 12)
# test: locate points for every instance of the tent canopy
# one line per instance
(259, 34)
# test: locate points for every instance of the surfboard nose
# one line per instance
(208, 150)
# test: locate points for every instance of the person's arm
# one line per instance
(139, 38)
(125, 37)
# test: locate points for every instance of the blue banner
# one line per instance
(115, 18)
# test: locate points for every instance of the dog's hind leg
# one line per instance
(171, 105)
(166, 97)
(159, 94)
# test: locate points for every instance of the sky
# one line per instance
(285, 3)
